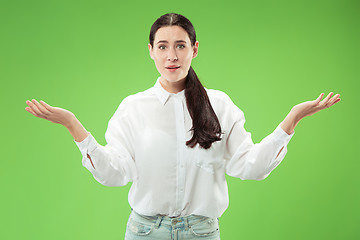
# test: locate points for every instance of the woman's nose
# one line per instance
(172, 55)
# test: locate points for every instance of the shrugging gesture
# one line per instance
(76, 129)
(308, 108)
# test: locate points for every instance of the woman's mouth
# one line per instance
(172, 68)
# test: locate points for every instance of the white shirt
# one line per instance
(146, 146)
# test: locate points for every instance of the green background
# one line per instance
(86, 56)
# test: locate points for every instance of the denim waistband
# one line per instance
(187, 221)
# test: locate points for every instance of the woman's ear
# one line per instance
(195, 49)
(150, 51)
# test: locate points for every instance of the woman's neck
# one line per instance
(173, 87)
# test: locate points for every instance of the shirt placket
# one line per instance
(180, 139)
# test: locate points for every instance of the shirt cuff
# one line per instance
(281, 137)
(87, 145)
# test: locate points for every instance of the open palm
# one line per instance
(53, 114)
(311, 107)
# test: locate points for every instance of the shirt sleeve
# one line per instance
(112, 164)
(246, 160)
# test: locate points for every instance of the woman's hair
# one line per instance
(206, 126)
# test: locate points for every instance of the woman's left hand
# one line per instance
(307, 109)
(311, 107)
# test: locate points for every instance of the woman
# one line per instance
(175, 142)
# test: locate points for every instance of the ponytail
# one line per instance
(206, 126)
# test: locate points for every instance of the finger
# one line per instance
(326, 100)
(319, 98)
(38, 111)
(33, 108)
(29, 109)
(333, 99)
(47, 106)
(328, 97)
(337, 100)
(41, 107)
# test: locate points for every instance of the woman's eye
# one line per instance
(162, 47)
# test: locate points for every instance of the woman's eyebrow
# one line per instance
(164, 41)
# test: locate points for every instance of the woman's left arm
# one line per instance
(308, 108)
(247, 160)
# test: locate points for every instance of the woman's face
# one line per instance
(172, 48)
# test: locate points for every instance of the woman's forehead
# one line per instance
(171, 34)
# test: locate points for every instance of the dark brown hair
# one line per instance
(206, 126)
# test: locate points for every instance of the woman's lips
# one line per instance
(172, 68)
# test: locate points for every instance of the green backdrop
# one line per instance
(86, 56)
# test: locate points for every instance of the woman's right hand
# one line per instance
(53, 114)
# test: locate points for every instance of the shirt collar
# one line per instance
(164, 95)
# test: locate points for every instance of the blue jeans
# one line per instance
(163, 227)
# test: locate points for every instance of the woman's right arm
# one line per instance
(110, 165)
(61, 116)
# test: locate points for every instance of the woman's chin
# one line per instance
(172, 78)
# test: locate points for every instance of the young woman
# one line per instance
(176, 140)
